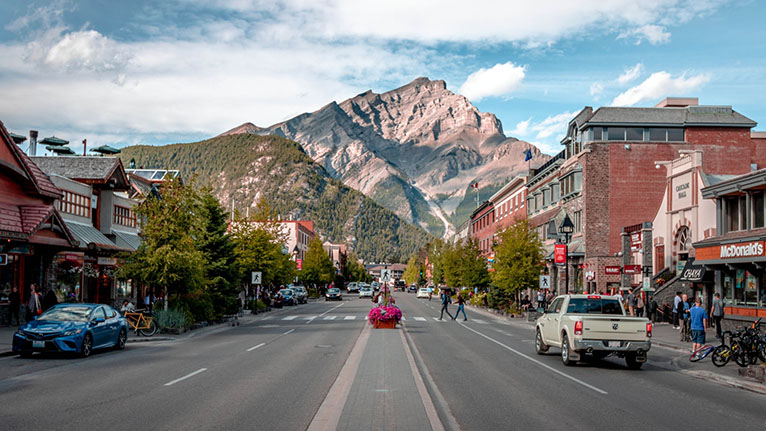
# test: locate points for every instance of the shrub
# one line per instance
(171, 318)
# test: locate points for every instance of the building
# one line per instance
(610, 177)
(144, 182)
(483, 227)
(32, 231)
(338, 254)
(737, 251)
(510, 203)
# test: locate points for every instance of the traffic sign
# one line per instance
(255, 277)
(545, 282)
(385, 275)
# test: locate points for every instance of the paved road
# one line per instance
(276, 372)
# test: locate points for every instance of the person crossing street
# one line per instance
(460, 307)
(446, 300)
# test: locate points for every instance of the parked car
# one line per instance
(352, 287)
(413, 288)
(365, 292)
(333, 294)
(301, 294)
(422, 293)
(74, 328)
(288, 297)
(593, 324)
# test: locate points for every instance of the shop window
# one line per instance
(758, 209)
(745, 292)
(615, 134)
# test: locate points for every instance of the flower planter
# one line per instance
(384, 324)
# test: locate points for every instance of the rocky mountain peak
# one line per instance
(248, 127)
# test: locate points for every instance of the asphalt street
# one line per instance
(318, 364)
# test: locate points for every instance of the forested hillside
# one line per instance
(245, 168)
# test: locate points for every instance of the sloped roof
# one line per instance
(687, 116)
(89, 169)
(23, 221)
(89, 235)
(39, 181)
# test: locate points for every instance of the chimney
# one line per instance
(33, 142)
(84, 146)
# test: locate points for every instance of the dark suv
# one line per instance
(400, 285)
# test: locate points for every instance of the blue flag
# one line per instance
(527, 155)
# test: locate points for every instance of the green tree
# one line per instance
(436, 252)
(172, 227)
(317, 266)
(475, 273)
(518, 262)
(355, 271)
(412, 272)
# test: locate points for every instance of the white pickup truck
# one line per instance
(595, 325)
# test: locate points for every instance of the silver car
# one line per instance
(301, 295)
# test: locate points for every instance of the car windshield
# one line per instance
(423, 289)
(67, 314)
(594, 306)
(366, 289)
(286, 292)
(333, 290)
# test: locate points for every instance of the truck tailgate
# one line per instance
(614, 328)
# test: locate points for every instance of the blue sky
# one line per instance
(130, 72)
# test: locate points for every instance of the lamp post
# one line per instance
(566, 228)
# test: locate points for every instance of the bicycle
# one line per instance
(141, 323)
(702, 353)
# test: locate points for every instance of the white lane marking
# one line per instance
(420, 319)
(268, 318)
(173, 382)
(269, 326)
(255, 347)
(349, 318)
(288, 332)
(329, 317)
(289, 317)
(440, 320)
(309, 317)
(479, 321)
(333, 308)
(546, 366)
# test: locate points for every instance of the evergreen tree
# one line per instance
(317, 266)
(221, 272)
(412, 272)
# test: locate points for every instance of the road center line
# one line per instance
(333, 308)
(546, 366)
(292, 330)
(255, 347)
(172, 382)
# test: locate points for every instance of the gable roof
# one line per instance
(87, 169)
(38, 181)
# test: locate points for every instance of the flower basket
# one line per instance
(385, 317)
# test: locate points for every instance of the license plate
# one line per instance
(40, 344)
(614, 344)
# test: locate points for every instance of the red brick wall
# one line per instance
(726, 150)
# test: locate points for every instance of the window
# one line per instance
(743, 288)
(577, 221)
(675, 135)
(734, 213)
(124, 216)
(555, 193)
(72, 203)
(595, 133)
(615, 134)
(571, 183)
(656, 134)
(758, 203)
(546, 197)
(635, 134)
(98, 314)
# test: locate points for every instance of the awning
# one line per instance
(693, 272)
(127, 240)
(89, 236)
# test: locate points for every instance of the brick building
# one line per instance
(483, 227)
(510, 203)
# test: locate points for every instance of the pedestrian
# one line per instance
(676, 304)
(632, 303)
(540, 299)
(446, 300)
(148, 302)
(698, 321)
(548, 298)
(684, 315)
(651, 309)
(14, 302)
(49, 300)
(639, 306)
(33, 305)
(127, 307)
(460, 307)
(717, 312)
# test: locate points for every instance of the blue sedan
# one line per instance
(74, 328)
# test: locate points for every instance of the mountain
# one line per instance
(414, 150)
(244, 168)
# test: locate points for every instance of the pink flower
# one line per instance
(385, 313)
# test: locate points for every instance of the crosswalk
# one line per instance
(334, 317)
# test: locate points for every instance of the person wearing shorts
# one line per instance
(698, 322)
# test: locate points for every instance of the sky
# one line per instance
(157, 72)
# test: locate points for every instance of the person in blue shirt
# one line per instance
(698, 319)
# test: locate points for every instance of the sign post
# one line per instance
(566, 228)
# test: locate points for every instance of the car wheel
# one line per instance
(122, 338)
(540, 346)
(87, 346)
(632, 362)
(565, 354)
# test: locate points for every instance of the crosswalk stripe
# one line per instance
(268, 318)
(349, 318)
(309, 318)
(404, 318)
(420, 319)
(366, 317)
(437, 319)
(330, 317)
(479, 321)
(289, 317)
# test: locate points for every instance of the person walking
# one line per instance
(698, 321)
(460, 307)
(14, 302)
(684, 315)
(676, 301)
(446, 300)
(651, 309)
(639, 306)
(49, 300)
(717, 314)
(540, 299)
(631, 300)
(33, 306)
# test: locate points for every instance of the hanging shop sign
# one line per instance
(560, 254)
(632, 269)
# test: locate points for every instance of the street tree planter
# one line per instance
(385, 317)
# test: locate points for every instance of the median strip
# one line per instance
(173, 382)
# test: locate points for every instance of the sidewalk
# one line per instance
(664, 336)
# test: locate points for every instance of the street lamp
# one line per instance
(566, 228)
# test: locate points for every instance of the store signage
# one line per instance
(681, 190)
(107, 261)
(560, 254)
(635, 241)
(632, 269)
(299, 264)
(612, 270)
(590, 275)
(742, 250)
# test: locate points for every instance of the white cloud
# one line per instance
(652, 33)
(631, 74)
(545, 134)
(659, 85)
(89, 50)
(596, 89)
(522, 128)
(499, 80)
(555, 125)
